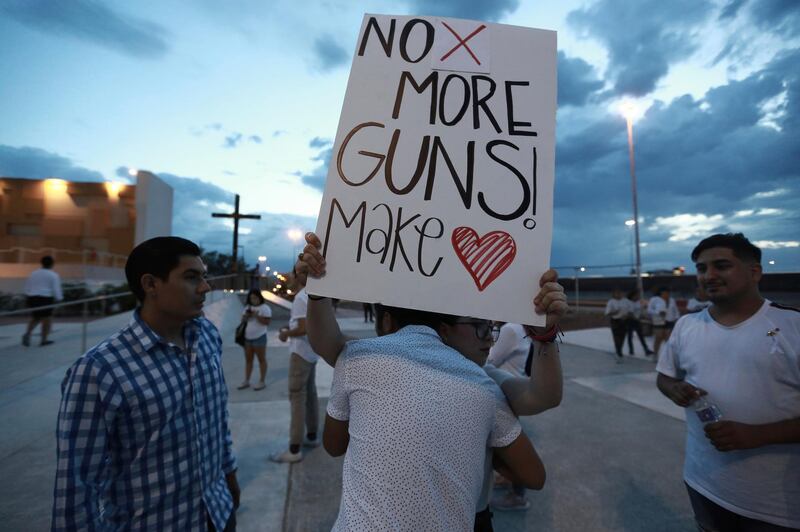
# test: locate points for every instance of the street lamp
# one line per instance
(631, 113)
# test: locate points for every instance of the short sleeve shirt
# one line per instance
(421, 417)
(751, 371)
(254, 328)
(299, 344)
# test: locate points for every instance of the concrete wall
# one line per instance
(153, 207)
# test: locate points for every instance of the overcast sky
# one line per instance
(244, 97)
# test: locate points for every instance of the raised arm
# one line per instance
(323, 331)
(543, 389)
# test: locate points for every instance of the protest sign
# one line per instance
(439, 193)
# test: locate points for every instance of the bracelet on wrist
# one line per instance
(547, 337)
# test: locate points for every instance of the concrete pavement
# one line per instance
(613, 449)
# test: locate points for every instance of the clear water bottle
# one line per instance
(707, 411)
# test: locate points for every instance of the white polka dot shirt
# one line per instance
(421, 417)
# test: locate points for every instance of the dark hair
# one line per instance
(157, 256)
(633, 293)
(663, 289)
(407, 316)
(741, 247)
(47, 261)
(256, 292)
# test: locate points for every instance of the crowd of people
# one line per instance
(427, 412)
(629, 313)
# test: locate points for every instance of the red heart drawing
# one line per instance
(486, 257)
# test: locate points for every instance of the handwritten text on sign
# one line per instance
(439, 192)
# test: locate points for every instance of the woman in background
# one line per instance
(257, 314)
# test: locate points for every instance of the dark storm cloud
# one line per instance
(779, 16)
(699, 163)
(487, 10)
(316, 179)
(92, 22)
(577, 80)
(35, 163)
(643, 38)
(329, 54)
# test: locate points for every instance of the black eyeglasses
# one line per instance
(484, 330)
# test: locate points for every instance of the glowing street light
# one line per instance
(630, 223)
(631, 112)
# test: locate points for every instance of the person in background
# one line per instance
(302, 379)
(510, 351)
(698, 302)
(617, 310)
(369, 316)
(42, 288)
(257, 314)
(633, 322)
(664, 313)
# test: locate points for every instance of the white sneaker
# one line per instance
(286, 457)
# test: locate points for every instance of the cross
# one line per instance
(236, 217)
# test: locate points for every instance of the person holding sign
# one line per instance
(412, 407)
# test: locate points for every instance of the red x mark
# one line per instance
(462, 42)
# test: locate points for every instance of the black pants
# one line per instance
(483, 521)
(618, 331)
(712, 517)
(632, 325)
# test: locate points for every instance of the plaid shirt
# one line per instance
(143, 438)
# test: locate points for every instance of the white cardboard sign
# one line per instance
(439, 194)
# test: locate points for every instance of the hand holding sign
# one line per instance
(439, 192)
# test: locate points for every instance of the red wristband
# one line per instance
(550, 335)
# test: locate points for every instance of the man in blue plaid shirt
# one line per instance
(143, 437)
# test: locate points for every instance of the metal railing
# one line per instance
(219, 284)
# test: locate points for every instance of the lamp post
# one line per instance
(630, 113)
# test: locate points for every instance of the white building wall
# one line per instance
(153, 207)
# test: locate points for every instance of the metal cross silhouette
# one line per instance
(236, 217)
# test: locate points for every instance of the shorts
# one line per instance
(261, 341)
(40, 301)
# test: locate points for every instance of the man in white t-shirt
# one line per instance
(302, 382)
(735, 366)
(617, 310)
(42, 288)
(414, 416)
(664, 314)
(698, 302)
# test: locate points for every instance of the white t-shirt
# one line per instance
(254, 328)
(634, 308)
(299, 344)
(657, 305)
(510, 351)
(695, 305)
(617, 309)
(44, 282)
(751, 371)
(420, 419)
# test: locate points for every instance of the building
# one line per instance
(88, 227)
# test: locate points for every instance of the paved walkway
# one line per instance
(613, 449)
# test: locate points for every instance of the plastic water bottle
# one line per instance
(707, 411)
